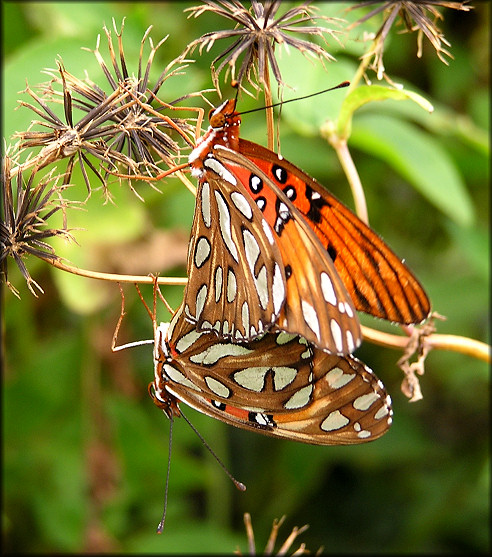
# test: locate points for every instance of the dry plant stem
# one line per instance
(176, 171)
(113, 277)
(250, 534)
(361, 70)
(273, 536)
(269, 109)
(453, 343)
(290, 540)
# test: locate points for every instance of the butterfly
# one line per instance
(278, 384)
(271, 249)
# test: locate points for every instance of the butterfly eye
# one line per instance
(216, 120)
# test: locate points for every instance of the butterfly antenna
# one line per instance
(339, 86)
(235, 85)
(237, 483)
(160, 527)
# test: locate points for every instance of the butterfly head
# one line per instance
(222, 115)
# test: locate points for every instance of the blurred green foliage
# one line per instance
(85, 450)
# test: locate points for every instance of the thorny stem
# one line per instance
(464, 345)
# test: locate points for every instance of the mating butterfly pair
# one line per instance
(277, 268)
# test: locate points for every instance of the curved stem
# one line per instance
(269, 109)
(341, 148)
(113, 277)
(454, 343)
(359, 74)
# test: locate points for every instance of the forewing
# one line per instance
(318, 306)
(378, 281)
(236, 281)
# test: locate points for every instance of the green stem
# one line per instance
(341, 148)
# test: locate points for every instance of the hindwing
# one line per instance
(277, 385)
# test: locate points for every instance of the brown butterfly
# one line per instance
(278, 384)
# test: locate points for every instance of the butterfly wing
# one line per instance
(269, 370)
(313, 397)
(378, 281)
(318, 306)
(236, 282)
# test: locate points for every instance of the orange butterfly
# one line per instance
(271, 249)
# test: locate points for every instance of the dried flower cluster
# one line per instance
(24, 215)
(258, 30)
(413, 16)
(117, 131)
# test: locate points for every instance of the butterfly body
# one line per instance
(272, 249)
(279, 385)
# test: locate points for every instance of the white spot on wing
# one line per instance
(245, 316)
(268, 231)
(252, 249)
(327, 289)
(300, 398)
(242, 204)
(200, 300)
(278, 290)
(177, 377)
(337, 379)
(350, 342)
(283, 376)
(218, 283)
(381, 413)
(217, 387)
(336, 332)
(220, 169)
(186, 341)
(215, 352)
(205, 196)
(262, 287)
(225, 226)
(252, 378)
(284, 338)
(202, 251)
(309, 314)
(364, 402)
(231, 286)
(348, 309)
(335, 420)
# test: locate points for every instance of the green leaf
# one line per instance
(99, 226)
(475, 246)
(419, 159)
(365, 94)
(307, 76)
